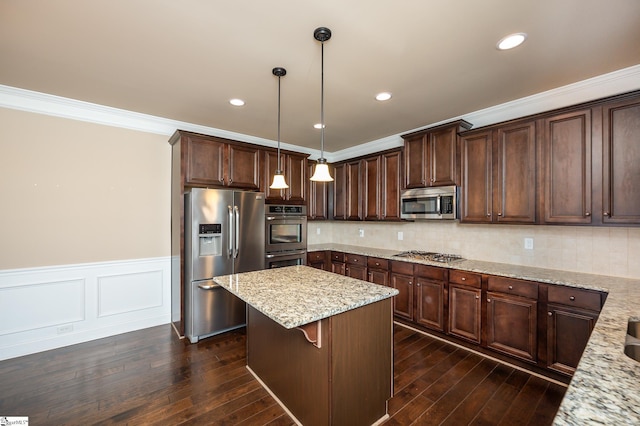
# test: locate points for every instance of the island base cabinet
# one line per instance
(512, 325)
(568, 332)
(346, 381)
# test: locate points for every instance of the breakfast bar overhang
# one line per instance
(321, 343)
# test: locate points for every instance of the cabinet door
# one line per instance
(476, 192)
(244, 167)
(512, 325)
(430, 306)
(391, 185)
(403, 301)
(372, 191)
(356, 271)
(515, 185)
(296, 166)
(464, 312)
(340, 191)
(317, 259)
(621, 162)
(378, 276)
(338, 268)
(415, 154)
(566, 154)
(270, 165)
(442, 158)
(317, 197)
(568, 332)
(205, 162)
(354, 194)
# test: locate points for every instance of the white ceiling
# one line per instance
(185, 59)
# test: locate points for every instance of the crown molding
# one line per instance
(613, 83)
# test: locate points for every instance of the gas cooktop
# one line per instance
(431, 256)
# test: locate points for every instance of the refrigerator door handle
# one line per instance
(230, 245)
(237, 224)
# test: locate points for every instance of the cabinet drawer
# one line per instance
(512, 286)
(465, 278)
(571, 296)
(377, 263)
(315, 256)
(337, 256)
(355, 259)
(432, 272)
(400, 267)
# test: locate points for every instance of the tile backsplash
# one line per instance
(594, 250)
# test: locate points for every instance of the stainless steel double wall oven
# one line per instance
(285, 235)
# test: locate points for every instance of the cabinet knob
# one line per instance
(463, 278)
(355, 260)
(488, 300)
(377, 264)
(510, 287)
(587, 214)
(417, 284)
(499, 214)
(606, 213)
(550, 314)
(410, 283)
(488, 214)
(477, 297)
(572, 298)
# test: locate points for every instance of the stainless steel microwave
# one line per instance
(429, 203)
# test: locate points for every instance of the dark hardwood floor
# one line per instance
(152, 377)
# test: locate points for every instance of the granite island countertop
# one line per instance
(605, 389)
(297, 295)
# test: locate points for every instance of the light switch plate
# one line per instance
(528, 243)
(361, 232)
(400, 236)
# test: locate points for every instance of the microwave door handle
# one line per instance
(230, 235)
(237, 236)
(438, 206)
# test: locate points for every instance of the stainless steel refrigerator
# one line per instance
(224, 234)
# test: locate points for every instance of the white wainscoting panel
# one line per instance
(50, 307)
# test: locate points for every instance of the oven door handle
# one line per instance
(285, 217)
(285, 253)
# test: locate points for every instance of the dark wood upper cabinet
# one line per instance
(244, 166)
(354, 190)
(340, 191)
(431, 156)
(382, 185)
(372, 193)
(621, 162)
(515, 175)
(205, 161)
(317, 197)
(566, 164)
(294, 168)
(499, 174)
(476, 194)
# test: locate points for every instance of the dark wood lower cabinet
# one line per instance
(403, 301)
(568, 331)
(465, 312)
(430, 303)
(378, 276)
(512, 325)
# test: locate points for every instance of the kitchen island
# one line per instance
(319, 342)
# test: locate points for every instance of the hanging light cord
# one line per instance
(279, 170)
(322, 100)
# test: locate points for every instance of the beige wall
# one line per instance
(76, 192)
(596, 250)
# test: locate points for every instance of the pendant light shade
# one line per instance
(321, 173)
(278, 177)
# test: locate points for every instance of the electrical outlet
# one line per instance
(318, 231)
(361, 232)
(528, 243)
(65, 329)
(400, 236)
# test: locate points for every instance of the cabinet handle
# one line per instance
(587, 214)
(488, 300)
(606, 213)
(550, 314)
(572, 298)
(510, 287)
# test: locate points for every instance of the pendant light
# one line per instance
(321, 173)
(278, 177)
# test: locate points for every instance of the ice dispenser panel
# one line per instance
(210, 236)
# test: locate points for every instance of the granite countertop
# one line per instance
(605, 388)
(297, 295)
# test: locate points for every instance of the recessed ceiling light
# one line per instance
(511, 41)
(384, 96)
(236, 102)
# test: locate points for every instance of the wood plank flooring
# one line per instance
(152, 377)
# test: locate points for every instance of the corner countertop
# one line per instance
(605, 388)
(297, 295)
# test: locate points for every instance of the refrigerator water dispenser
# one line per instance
(210, 239)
